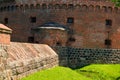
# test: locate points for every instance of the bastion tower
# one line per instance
(75, 23)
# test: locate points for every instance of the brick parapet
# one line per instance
(60, 5)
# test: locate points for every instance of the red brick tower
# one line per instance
(92, 23)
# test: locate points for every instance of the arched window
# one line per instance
(44, 6)
(64, 6)
(21, 7)
(109, 9)
(116, 9)
(104, 9)
(91, 8)
(8, 8)
(16, 7)
(26, 6)
(84, 7)
(77, 6)
(97, 8)
(37, 6)
(50, 6)
(4, 8)
(32, 6)
(70, 6)
(12, 8)
(1, 9)
(57, 6)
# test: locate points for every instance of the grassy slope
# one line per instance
(91, 72)
(57, 73)
(101, 71)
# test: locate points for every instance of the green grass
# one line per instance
(91, 72)
(57, 73)
(101, 71)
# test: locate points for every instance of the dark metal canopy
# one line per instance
(52, 25)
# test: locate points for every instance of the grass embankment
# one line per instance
(57, 73)
(91, 72)
(101, 71)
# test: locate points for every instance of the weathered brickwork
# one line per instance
(5, 35)
(78, 57)
(21, 59)
(51, 37)
(90, 27)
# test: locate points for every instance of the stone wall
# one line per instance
(78, 57)
(22, 59)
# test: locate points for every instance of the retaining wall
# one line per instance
(78, 57)
(22, 59)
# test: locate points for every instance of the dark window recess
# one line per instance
(33, 19)
(36, 41)
(6, 20)
(70, 20)
(108, 42)
(58, 44)
(108, 22)
(72, 39)
(30, 39)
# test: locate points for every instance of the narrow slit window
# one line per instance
(31, 39)
(33, 19)
(70, 20)
(6, 20)
(108, 22)
(108, 42)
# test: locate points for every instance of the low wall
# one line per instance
(21, 59)
(24, 58)
(78, 57)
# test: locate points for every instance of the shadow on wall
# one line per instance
(79, 57)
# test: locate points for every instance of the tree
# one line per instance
(117, 2)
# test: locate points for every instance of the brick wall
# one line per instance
(51, 37)
(89, 27)
(4, 38)
(5, 33)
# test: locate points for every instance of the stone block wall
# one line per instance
(3, 60)
(20, 69)
(78, 57)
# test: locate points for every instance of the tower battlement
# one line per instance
(85, 5)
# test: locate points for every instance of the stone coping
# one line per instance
(5, 29)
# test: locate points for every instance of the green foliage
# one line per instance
(117, 2)
(91, 72)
